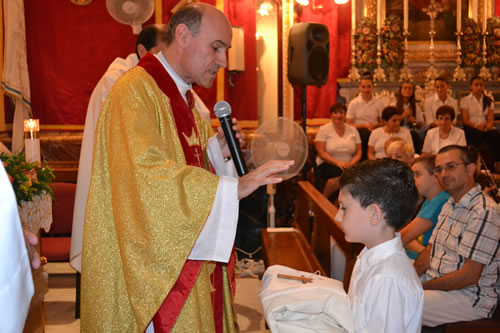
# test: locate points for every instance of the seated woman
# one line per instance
(338, 146)
(364, 111)
(445, 134)
(412, 117)
(477, 116)
(391, 117)
(402, 151)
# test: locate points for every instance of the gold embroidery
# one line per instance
(192, 140)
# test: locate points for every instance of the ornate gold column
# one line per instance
(287, 16)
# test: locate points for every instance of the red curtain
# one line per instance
(338, 20)
(241, 88)
(69, 47)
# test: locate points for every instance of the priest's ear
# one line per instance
(182, 35)
(141, 51)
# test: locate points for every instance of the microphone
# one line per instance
(222, 111)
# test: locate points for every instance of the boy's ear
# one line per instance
(375, 214)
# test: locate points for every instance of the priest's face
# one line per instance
(206, 51)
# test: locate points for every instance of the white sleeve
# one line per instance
(428, 112)
(16, 281)
(419, 115)
(427, 148)
(454, 104)
(216, 239)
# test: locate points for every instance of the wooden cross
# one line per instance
(297, 278)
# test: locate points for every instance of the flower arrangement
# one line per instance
(493, 41)
(366, 44)
(471, 44)
(28, 179)
(392, 42)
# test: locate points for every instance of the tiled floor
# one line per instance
(60, 302)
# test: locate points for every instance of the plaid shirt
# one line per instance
(469, 229)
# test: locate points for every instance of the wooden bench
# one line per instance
(306, 246)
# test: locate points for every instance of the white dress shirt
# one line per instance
(433, 103)
(16, 281)
(433, 142)
(385, 292)
(476, 113)
(362, 112)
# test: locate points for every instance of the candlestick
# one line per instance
(31, 140)
(405, 15)
(459, 15)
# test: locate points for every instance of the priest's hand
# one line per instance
(263, 175)
(222, 140)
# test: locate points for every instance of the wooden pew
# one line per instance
(306, 247)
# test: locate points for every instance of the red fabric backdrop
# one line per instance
(338, 20)
(70, 47)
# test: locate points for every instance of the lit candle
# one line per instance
(353, 14)
(474, 10)
(379, 14)
(31, 140)
(485, 16)
(459, 15)
(405, 15)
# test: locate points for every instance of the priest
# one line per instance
(159, 223)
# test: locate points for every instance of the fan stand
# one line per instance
(271, 210)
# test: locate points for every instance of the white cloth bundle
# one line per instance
(291, 306)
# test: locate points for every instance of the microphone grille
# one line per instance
(222, 109)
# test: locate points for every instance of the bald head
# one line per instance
(198, 36)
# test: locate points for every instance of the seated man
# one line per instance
(461, 262)
(423, 224)
(376, 199)
(437, 100)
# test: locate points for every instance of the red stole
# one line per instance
(168, 312)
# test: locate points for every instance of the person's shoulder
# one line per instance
(396, 269)
(454, 129)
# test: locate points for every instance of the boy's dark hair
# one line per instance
(390, 111)
(387, 183)
(337, 107)
(466, 154)
(446, 109)
(427, 162)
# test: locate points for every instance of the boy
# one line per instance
(430, 189)
(377, 198)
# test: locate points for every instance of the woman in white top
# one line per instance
(364, 111)
(445, 134)
(338, 146)
(392, 118)
(477, 116)
(412, 117)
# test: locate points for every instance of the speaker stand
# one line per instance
(304, 123)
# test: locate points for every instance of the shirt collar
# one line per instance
(181, 85)
(437, 99)
(467, 198)
(369, 257)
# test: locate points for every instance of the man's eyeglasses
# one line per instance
(448, 167)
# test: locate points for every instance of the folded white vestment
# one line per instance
(291, 306)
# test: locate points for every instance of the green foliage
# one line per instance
(28, 179)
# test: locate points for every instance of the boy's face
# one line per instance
(366, 88)
(353, 218)
(423, 179)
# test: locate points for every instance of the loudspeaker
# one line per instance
(308, 54)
